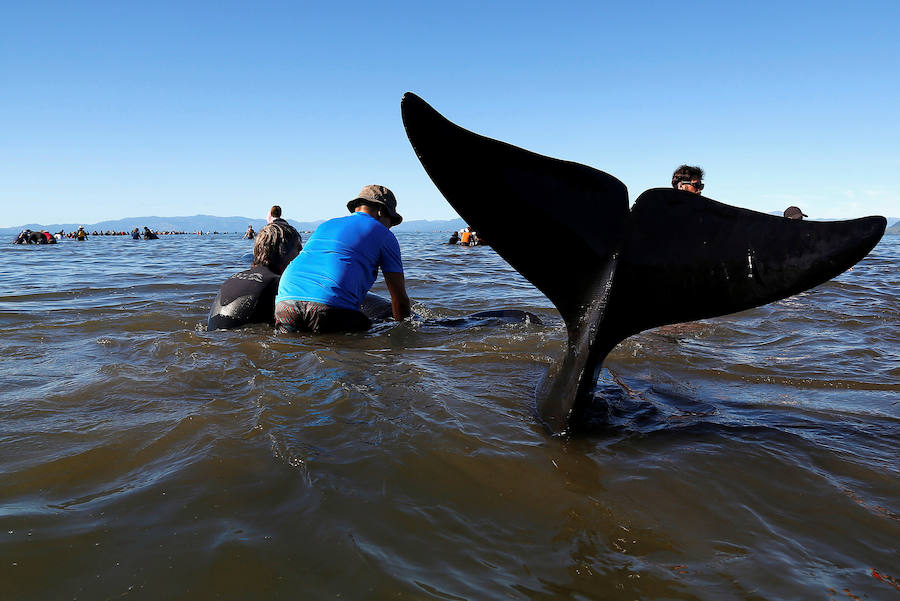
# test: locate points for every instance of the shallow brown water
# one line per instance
(753, 456)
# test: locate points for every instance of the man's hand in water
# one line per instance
(396, 285)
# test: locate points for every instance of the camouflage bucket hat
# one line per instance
(379, 195)
(794, 213)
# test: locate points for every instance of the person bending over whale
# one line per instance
(30, 237)
(249, 296)
(324, 288)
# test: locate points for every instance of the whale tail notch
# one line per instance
(613, 272)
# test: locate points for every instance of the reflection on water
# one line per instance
(752, 456)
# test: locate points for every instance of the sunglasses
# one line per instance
(698, 185)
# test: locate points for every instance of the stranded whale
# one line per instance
(613, 271)
(259, 307)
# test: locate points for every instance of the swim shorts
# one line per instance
(318, 318)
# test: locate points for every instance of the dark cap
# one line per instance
(794, 213)
(379, 195)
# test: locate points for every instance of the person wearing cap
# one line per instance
(688, 178)
(323, 289)
(794, 213)
(81, 235)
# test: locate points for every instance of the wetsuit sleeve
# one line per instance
(390, 255)
(265, 307)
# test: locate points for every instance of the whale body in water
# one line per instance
(613, 271)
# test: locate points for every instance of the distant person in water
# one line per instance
(688, 178)
(249, 234)
(30, 237)
(81, 235)
(470, 237)
(249, 296)
(136, 234)
(274, 216)
(324, 288)
(454, 238)
(794, 213)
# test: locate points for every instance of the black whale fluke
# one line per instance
(613, 272)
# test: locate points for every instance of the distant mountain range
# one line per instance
(212, 223)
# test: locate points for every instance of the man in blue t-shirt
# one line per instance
(323, 288)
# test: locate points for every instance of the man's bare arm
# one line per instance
(396, 285)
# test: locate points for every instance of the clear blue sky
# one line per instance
(121, 109)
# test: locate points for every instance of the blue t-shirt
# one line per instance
(340, 262)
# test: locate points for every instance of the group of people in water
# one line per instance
(467, 237)
(40, 237)
(148, 234)
(323, 288)
(44, 237)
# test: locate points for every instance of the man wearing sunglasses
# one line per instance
(688, 178)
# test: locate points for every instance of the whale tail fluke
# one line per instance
(613, 272)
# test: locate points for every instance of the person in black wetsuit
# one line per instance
(249, 296)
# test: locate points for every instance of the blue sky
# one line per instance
(111, 110)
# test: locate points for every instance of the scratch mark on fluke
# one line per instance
(613, 272)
